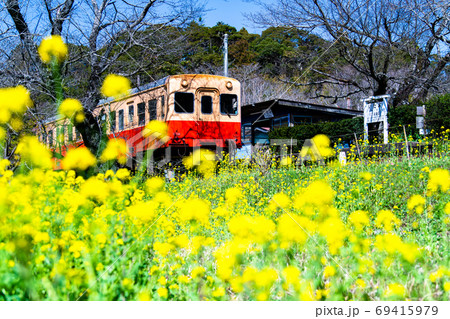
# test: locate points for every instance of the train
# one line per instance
(200, 110)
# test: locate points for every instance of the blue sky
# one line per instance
(230, 12)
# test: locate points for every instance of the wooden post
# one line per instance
(406, 141)
(357, 146)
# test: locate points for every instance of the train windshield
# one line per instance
(228, 104)
(184, 102)
(207, 104)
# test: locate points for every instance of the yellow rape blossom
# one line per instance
(387, 220)
(258, 229)
(78, 159)
(162, 292)
(279, 200)
(156, 130)
(329, 271)
(115, 86)
(197, 272)
(416, 202)
(394, 290)
(366, 176)
(218, 292)
(359, 219)
(116, 149)
(72, 109)
(95, 189)
(53, 47)
(123, 174)
(203, 161)
(195, 210)
(154, 184)
(34, 153)
(13, 100)
(439, 180)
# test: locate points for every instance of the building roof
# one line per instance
(138, 89)
(261, 107)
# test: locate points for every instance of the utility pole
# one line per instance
(225, 55)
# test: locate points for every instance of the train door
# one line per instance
(207, 111)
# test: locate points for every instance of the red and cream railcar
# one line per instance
(200, 110)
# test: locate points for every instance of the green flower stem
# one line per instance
(57, 81)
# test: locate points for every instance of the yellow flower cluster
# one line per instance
(13, 101)
(34, 153)
(319, 150)
(53, 47)
(156, 130)
(395, 291)
(116, 149)
(72, 109)
(416, 202)
(258, 229)
(387, 220)
(439, 180)
(195, 210)
(115, 86)
(78, 159)
(203, 161)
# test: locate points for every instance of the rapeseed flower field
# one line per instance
(356, 232)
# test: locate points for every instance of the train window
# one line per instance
(152, 109)
(206, 104)
(130, 113)
(184, 102)
(112, 120)
(141, 114)
(70, 132)
(120, 120)
(50, 137)
(228, 104)
(163, 107)
(78, 135)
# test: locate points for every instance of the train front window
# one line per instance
(228, 104)
(206, 104)
(184, 102)
(121, 120)
(141, 114)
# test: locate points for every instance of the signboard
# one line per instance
(375, 112)
(268, 114)
(420, 120)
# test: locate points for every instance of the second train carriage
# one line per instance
(200, 110)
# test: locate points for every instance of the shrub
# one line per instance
(343, 129)
(403, 115)
(438, 112)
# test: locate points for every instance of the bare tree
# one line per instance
(99, 32)
(397, 47)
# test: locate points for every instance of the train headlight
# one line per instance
(184, 83)
(229, 85)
